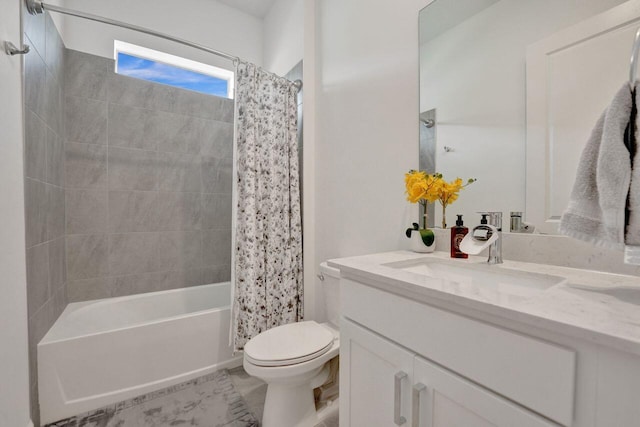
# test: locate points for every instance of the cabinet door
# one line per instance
(375, 379)
(444, 399)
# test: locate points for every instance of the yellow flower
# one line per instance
(450, 190)
(424, 188)
(421, 187)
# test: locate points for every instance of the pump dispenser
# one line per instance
(457, 234)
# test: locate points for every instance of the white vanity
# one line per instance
(433, 342)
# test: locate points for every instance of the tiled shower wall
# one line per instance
(148, 183)
(44, 184)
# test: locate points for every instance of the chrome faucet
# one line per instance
(495, 249)
(486, 235)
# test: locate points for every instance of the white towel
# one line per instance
(596, 211)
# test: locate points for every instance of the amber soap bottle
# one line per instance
(457, 234)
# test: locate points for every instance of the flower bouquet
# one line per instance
(424, 188)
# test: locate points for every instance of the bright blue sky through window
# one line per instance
(158, 72)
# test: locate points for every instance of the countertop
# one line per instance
(600, 307)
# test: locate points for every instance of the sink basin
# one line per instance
(487, 281)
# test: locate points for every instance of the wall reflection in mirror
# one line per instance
(512, 89)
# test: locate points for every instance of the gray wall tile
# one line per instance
(178, 211)
(175, 132)
(53, 103)
(37, 277)
(137, 283)
(55, 159)
(128, 127)
(179, 172)
(35, 147)
(182, 278)
(204, 106)
(218, 141)
(139, 93)
(55, 212)
(87, 75)
(34, 81)
(216, 274)
(87, 256)
(57, 265)
(217, 175)
(86, 211)
(89, 289)
(216, 211)
(133, 211)
(86, 120)
(36, 208)
(216, 248)
(59, 300)
(44, 184)
(133, 253)
(85, 165)
(152, 165)
(180, 250)
(132, 169)
(54, 48)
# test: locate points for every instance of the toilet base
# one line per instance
(292, 405)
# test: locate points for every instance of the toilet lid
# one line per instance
(289, 344)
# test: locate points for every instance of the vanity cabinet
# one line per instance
(444, 399)
(389, 385)
(486, 352)
(378, 376)
(474, 374)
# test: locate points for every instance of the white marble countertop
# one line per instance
(600, 307)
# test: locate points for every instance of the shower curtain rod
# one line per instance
(35, 7)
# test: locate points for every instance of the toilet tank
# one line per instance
(331, 291)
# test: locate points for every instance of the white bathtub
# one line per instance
(105, 351)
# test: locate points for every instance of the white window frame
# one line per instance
(176, 61)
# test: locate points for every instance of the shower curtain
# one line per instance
(267, 247)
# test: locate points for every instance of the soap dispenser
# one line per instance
(457, 234)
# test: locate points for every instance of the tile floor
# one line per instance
(208, 401)
(225, 398)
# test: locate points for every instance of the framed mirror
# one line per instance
(514, 88)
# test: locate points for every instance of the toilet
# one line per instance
(294, 359)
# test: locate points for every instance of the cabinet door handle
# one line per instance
(417, 395)
(397, 398)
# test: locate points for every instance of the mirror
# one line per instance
(514, 88)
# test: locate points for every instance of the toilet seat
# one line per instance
(289, 344)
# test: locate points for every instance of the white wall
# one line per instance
(14, 357)
(476, 80)
(367, 125)
(283, 36)
(206, 22)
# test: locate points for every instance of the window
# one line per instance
(152, 65)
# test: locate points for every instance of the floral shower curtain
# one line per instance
(267, 250)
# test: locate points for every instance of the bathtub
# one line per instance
(105, 351)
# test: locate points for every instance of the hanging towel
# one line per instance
(632, 234)
(596, 211)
